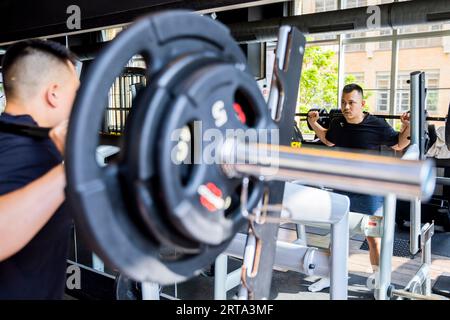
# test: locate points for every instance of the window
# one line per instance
(312, 6)
(421, 43)
(385, 45)
(110, 34)
(432, 99)
(326, 5)
(432, 84)
(382, 86)
(371, 70)
(122, 93)
(355, 3)
(382, 101)
(321, 37)
(357, 78)
(354, 47)
(347, 4)
(403, 95)
(424, 28)
(435, 62)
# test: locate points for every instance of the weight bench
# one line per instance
(332, 209)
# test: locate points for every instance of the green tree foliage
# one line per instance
(319, 81)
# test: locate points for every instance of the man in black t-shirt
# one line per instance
(40, 84)
(360, 130)
(369, 134)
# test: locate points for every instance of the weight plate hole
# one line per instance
(185, 152)
(244, 110)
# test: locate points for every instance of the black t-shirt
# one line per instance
(370, 134)
(38, 271)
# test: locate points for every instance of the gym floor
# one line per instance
(294, 286)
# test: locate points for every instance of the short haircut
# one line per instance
(351, 87)
(47, 54)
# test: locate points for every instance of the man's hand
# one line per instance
(404, 118)
(405, 133)
(58, 136)
(313, 116)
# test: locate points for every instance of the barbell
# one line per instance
(338, 113)
(158, 214)
(325, 117)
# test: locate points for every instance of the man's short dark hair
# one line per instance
(26, 48)
(351, 87)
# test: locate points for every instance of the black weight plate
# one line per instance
(140, 172)
(198, 207)
(94, 193)
(141, 130)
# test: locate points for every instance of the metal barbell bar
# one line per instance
(384, 116)
(356, 172)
